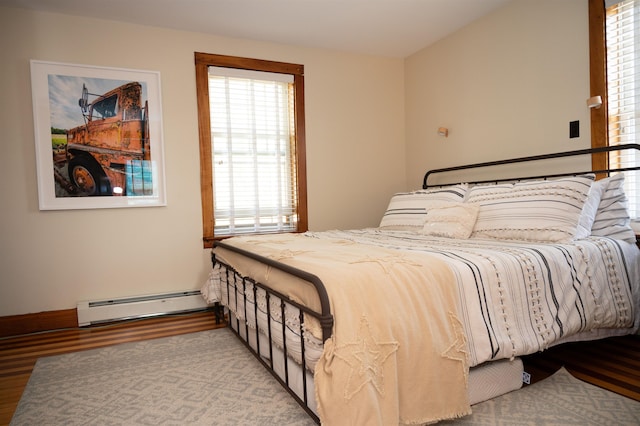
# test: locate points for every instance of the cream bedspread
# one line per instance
(397, 336)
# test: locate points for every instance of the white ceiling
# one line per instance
(394, 28)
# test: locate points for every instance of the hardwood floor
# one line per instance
(612, 363)
(18, 355)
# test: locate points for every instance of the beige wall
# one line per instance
(506, 85)
(52, 259)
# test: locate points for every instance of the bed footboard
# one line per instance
(274, 327)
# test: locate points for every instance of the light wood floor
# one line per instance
(613, 364)
(18, 355)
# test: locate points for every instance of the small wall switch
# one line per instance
(574, 129)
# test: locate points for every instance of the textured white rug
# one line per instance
(205, 378)
(559, 400)
(210, 378)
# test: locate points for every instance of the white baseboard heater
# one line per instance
(110, 310)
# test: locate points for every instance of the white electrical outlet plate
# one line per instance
(526, 378)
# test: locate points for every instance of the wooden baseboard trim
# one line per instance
(15, 325)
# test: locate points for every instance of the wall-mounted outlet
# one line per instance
(574, 129)
(526, 378)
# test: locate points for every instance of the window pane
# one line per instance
(251, 136)
(623, 87)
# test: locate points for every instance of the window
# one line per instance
(252, 153)
(615, 73)
(105, 108)
(622, 29)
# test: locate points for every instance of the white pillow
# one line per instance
(589, 210)
(451, 220)
(539, 211)
(408, 210)
(612, 218)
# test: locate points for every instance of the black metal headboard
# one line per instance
(575, 153)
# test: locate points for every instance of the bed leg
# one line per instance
(218, 312)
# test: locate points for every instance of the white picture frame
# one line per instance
(98, 136)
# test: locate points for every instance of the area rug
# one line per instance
(204, 378)
(559, 400)
(210, 378)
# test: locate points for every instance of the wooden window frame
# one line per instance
(598, 82)
(202, 63)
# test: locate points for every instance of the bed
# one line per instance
(414, 321)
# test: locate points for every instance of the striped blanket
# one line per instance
(520, 298)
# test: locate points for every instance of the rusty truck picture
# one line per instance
(110, 153)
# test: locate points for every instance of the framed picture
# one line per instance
(98, 134)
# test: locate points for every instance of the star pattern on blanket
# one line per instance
(282, 255)
(366, 357)
(387, 263)
(457, 349)
(344, 242)
(288, 254)
(271, 248)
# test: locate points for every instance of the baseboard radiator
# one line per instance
(102, 311)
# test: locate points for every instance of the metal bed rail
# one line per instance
(324, 316)
(532, 158)
(243, 331)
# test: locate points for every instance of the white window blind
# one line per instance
(623, 80)
(253, 158)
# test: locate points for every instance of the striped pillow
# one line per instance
(408, 210)
(612, 218)
(538, 211)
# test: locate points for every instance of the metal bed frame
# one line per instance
(242, 331)
(574, 153)
(324, 316)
